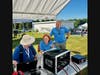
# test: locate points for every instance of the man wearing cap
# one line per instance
(29, 53)
(61, 34)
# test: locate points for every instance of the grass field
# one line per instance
(76, 44)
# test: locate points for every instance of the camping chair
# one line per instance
(38, 48)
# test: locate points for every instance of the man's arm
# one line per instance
(51, 33)
(67, 31)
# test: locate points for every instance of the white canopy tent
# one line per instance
(37, 9)
(83, 26)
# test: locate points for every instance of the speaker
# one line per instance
(55, 60)
(78, 59)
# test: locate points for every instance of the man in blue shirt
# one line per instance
(61, 34)
(29, 53)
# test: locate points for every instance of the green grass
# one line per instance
(76, 44)
(38, 38)
(83, 72)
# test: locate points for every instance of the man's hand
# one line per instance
(66, 37)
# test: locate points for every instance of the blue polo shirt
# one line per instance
(59, 34)
(44, 46)
(25, 56)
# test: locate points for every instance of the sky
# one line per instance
(75, 9)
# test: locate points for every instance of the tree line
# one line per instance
(78, 22)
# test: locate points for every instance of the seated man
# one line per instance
(24, 56)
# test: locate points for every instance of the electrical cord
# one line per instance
(73, 68)
(44, 70)
(63, 70)
(77, 67)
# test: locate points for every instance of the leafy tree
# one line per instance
(52, 19)
(37, 20)
(20, 26)
(78, 22)
(42, 20)
(47, 20)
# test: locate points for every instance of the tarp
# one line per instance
(37, 9)
(83, 26)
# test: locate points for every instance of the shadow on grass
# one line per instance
(83, 72)
(76, 52)
(86, 56)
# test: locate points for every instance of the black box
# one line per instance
(26, 67)
(55, 60)
(78, 59)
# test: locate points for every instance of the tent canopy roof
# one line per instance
(28, 8)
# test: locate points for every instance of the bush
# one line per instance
(52, 19)
(42, 20)
(37, 30)
(37, 20)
